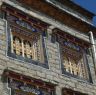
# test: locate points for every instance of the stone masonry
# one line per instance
(53, 74)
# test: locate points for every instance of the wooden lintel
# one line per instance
(28, 80)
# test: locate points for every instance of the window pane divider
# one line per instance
(22, 47)
(11, 40)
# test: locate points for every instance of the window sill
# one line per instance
(29, 61)
(81, 80)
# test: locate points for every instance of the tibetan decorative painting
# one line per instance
(19, 88)
(25, 37)
(73, 55)
(23, 85)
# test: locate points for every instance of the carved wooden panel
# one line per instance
(17, 46)
(26, 35)
(20, 88)
(31, 49)
(73, 56)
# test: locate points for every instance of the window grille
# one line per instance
(25, 37)
(31, 48)
(73, 56)
(25, 85)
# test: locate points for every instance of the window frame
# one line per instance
(84, 46)
(75, 76)
(19, 82)
(17, 57)
(24, 59)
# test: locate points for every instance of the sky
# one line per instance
(89, 5)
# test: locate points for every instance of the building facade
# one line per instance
(47, 47)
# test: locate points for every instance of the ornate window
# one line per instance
(27, 47)
(25, 37)
(24, 85)
(73, 55)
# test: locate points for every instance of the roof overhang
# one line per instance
(55, 12)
